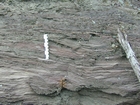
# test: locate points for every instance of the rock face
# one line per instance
(86, 65)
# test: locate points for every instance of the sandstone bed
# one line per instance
(84, 66)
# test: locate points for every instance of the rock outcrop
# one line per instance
(84, 66)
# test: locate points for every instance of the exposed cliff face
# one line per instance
(84, 67)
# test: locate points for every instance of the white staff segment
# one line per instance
(46, 46)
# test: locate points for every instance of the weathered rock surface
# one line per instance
(84, 67)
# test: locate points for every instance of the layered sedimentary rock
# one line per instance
(86, 64)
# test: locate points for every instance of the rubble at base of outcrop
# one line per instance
(84, 66)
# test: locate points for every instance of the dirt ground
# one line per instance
(84, 67)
